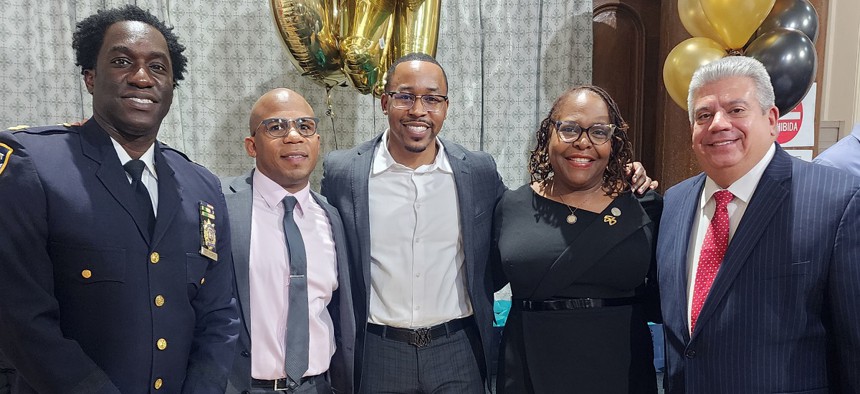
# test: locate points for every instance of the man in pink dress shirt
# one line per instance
(285, 144)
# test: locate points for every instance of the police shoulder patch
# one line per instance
(19, 127)
(5, 153)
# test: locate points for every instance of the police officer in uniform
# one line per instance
(116, 271)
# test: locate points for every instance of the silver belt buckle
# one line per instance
(290, 385)
(420, 337)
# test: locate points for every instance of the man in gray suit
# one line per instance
(285, 145)
(418, 212)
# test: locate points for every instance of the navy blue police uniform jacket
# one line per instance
(89, 302)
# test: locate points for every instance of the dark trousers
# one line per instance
(7, 378)
(450, 364)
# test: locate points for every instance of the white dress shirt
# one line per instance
(743, 190)
(417, 275)
(269, 272)
(148, 177)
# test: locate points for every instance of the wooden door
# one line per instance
(626, 63)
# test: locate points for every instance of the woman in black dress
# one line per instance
(578, 250)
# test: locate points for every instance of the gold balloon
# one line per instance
(694, 20)
(331, 41)
(309, 29)
(736, 20)
(416, 29)
(380, 31)
(683, 61)
(365, 44)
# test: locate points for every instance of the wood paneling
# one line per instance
(626, 46)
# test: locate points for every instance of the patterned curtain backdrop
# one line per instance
(507, 60)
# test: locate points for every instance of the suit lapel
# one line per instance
(463, 182)
(772, 190)
(683, 221)
(240, 203)
(96, 144)
(344, 288)
(361, 206)
(168, 195)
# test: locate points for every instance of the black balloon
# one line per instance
(790, 59)
(791, 14)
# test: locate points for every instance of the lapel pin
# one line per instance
(610, 219)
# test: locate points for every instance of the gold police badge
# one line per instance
(207, 231)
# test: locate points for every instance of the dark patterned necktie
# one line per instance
(135, 168)
(296, 362)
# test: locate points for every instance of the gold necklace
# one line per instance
(571, 219)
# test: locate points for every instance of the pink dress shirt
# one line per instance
(269, 279)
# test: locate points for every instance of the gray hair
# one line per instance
(733, 66)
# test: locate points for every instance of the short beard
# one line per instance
(416, 149)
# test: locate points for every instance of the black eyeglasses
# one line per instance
(402, 100)
(280, 127)
(598, 133)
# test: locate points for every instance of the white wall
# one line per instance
(841, 94)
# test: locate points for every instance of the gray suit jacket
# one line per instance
(239, 196)
(782, 314)
(479, 187)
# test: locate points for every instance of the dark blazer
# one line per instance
(80, 274)
(239, 194)
(783, 313)
(479, 187)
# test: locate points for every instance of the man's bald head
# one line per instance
(277, 101)
(288, 157)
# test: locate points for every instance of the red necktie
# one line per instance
(713, 250)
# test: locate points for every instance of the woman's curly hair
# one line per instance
(89, 35)
(614, 177)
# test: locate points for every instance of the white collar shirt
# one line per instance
(149, 178)
(417, 270)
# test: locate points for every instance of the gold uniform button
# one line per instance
(158, 383)
(154, 258)
(162, 344)
(202, 280)
(159, 300)
(86, 274)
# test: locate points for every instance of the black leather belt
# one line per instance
(284, 384)
(420, 337)
(574, 303)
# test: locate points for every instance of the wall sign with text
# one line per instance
(797, 128)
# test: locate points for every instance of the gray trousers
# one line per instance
(450, 364)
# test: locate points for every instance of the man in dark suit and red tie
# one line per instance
(758, 256)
